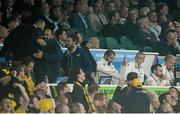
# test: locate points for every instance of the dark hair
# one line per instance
(170, 31)
(154, 67)
(59, 32)
(160, 6)
(92, 87)
(172, 87)
(27, 60)
(109, 52)
(131, 76)
(74, 73)
(73, 36)
(162, 97)
(112, 14)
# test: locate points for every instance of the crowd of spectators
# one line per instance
(34, 33)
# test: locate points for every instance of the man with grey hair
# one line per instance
(168, 67)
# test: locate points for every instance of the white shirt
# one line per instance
(154, 80)
(103, 66)
(168, 74)
(132, 67)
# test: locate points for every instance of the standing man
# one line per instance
(76, 57)
(134, 66)
(50, 57)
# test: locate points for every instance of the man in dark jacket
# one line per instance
(75, 57)
(121, 93)
(137, 100)
(48, 59)
(79, 93)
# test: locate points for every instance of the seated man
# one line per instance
(134, 66)
(157, 78)
(168, 67)
(105, 66)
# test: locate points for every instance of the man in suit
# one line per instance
(97, 19)
(78, 19)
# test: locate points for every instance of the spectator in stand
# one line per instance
(62, 89)
(157, 78)
(78, 19)
(3, 33)
(144, 11)
(100, 102)
(77, 108)
(134, 66)
(144, 37)
(121, 91)
(168, 45)
(13, 22)
(168, 67)
(131, 25)
(28, 64)
(137, 100)
(6, 106)
(33, 105)
(114, 29)
(163, 8)
(173, 91)
(166, 103)
(49, 57)
(8, 9)
(166, 108)
(97, 19)
(79, 93)
(93, 43)
(93, 89)
(43, 12)
(61, 36)
(110, 6)
(41, 91)
(150, 4)
(125, 3)
(154, 27)
(74, 58)
(114, 107)
(62, 108)
(123, 12)
(154, 105)
(56, 16)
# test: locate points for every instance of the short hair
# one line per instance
(59, 108)
(149, 13)
(140, 19)
(170, 31)
(172, 87)
(73, 36)
(154, 67)
(168, 57)
(74, 73)
(59, 32)
(140, 53)
(160, 6)
(162, 97)
(92, 87)
(112, 14)
(109, 52)
(132, 76)
(27, 60)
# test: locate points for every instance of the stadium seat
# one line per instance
(127, 43)
(112, 43)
